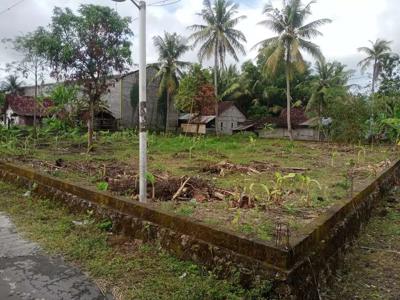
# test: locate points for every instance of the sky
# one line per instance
(355, 22)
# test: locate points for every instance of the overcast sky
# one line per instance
(355, 22)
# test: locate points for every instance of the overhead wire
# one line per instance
(11, 7)
(164, 3)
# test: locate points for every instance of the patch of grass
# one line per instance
(130, 269)
(179, 156)
(186, 209)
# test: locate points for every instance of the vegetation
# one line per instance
(293, 35)
(294, 180)
(124, 268)
(11, 85)
(218, 36)
(375, 56)
(170, 48)
(196, 93)
(86, 48)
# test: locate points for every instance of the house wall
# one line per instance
(119, 102)
(301, 134)
(11, 119)
(227, 121)
(155, 112)
(194, 128)
(43, 90)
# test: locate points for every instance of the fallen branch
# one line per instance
(294, 169)
(179, 191)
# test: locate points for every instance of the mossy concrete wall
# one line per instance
(296, 272)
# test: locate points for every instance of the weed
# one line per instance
(105, 225)
(102, 186)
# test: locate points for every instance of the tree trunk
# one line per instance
(167, 113)
(319, 121)
(35, 104)
(216, 71)
(288, 96)
(90, 125)
(374, 77)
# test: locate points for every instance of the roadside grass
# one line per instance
(372, 268)
(129, 269)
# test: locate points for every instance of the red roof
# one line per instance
(24, 105)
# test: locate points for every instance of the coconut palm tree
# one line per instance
(293, 35)
(218, 36)
(12, 85)
(375, 56)
(331, 81)
(170, 49)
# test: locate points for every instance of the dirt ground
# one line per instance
(240, 183)
(372, 268)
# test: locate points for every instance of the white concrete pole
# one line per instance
(142, 104)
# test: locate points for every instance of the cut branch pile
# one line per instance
(257, 167)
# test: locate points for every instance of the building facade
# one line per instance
(122, 101)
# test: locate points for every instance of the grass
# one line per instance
(372, 268)
(130, 269)
(177, 156)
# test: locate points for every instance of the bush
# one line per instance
(350, 117)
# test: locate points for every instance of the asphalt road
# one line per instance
(27, 273)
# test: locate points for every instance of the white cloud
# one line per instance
(354, 23)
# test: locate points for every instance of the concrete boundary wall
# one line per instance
(296, 273)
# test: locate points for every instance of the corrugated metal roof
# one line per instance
(202, 119)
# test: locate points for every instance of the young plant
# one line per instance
(278, 186)
(307, 183)
(350, 175)
(333, 157)
(361, 155)
(102, 186)
(152, 180)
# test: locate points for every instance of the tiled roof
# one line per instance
(24, 105)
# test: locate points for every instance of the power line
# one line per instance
(11, 7)
(164, 3)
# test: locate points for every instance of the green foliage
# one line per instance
(63, 94)
(133, 271)
(170, 48)
(217, 36)
(2, 100)
(190, 88)
(375, 55)
(87, 48)
(105, 225)
(390, 76)
(12, 85)
(349, 118)
(102, 186)
(331, 82)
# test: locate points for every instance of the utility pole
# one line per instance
(142, 101)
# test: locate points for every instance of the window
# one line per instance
(232, 126)
(222, 125)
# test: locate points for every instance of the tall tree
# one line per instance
(218, 36)
(32, 65)
(375, 57)
(294, 35)
(11, 85)
(196, 93)
(331, 81)
(170, 49)
(87, 48)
